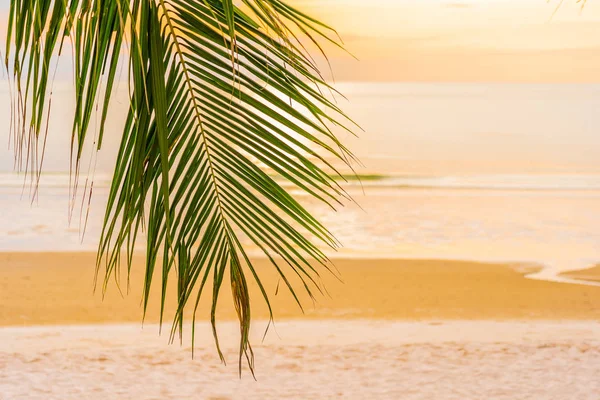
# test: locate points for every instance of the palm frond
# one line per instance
(222, 96)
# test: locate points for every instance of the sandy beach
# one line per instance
(57, 288)
(411, 329)
(351, 359)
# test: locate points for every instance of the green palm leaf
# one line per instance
(222, 98)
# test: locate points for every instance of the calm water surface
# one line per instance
(469, 171)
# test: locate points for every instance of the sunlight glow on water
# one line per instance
(473, 171)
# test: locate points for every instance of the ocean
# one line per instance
(490, 172)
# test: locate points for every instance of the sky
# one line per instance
(465, 40)
(457, 40)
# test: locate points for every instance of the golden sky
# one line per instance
(464, 40)
(458, 40)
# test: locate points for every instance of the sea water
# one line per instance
(468, 171)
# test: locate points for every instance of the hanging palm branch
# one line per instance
(223, 97)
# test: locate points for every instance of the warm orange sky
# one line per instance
(458, 40)
(464, 40)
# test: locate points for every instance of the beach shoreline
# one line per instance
(57, 289)
(587, 274)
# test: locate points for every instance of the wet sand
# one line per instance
(57, 289)
(410, 329)
(589, 274)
